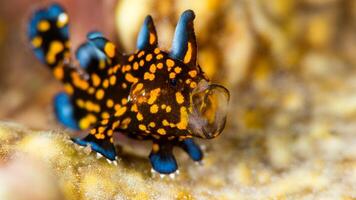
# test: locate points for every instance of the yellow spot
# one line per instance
(192, 73)
(99, 94)
(152, 124)
(131, 58)
(123, 101)
(112, 80)
(130, 78)
(62, 20)
(159, 56)
(142, 62)
(172, 75)
(165, 122)
(109, 49)
(109, 103)
(54, 48)
(152, 68)
(126, 68)
(140, 54)
(105, 115)
(69, 89)
(142, 127)
(79, 82)
(188, 81)
(188, 54)
(58, 72)
(115, 124)
(168, 109)
(169, 63)
(86, 121)
(125, 123)
(163, 106)
(91, 90)
(148, 76)
(119, 110)
(156, 51)
(101, 64)
(134, 108)
(135, 66)
(152, 38)
(139, 117)
(105, 121)
(36, 42)
(149, 57)
(193, 85)
(80, 103)
(179, 98)
(95, 79)
(183, 123)
(155, 147)
(177, 70)
(43, 26)
(153, 95)
(124, 85)
(93, 131)
(138, 88)
(110, 132)
(161, 131)
(105, 83)
(154, 108)
(159, 65)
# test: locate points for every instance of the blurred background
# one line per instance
(290, 66)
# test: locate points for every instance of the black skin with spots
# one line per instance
(145, 95)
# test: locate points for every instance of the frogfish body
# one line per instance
(151, 94)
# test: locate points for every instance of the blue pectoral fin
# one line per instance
(102, 146)
(162, 160)
(193, 150)
(90, 58)
(64, 110)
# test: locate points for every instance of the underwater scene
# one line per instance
(203, 99)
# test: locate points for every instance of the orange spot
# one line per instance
(159, 56)
(179, 98)
(149, 57)
(58, 72)
(112, 80)
(177, 70)
(131, 58)
(36, 42)
(161, 131)
(192, 73)
(109, 49)
(152, 38)
(159, 65)
(43, 26)
(140, 54)
(99, 94)
(188, 54)
(95, 79)
(131, 78)
(169, 63)
(154, 108)
(153, 68)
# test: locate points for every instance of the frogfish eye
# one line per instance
(173, 82)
